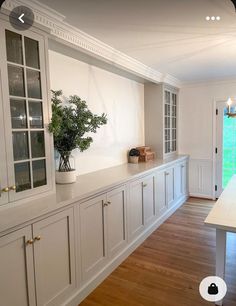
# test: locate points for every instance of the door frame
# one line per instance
(216, 102)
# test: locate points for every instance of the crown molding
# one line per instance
(72, 36)
(207, 83)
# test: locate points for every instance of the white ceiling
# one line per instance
(171, 36)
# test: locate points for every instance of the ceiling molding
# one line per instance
(76, 38)
(207, 83)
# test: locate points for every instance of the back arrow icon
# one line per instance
(20, 18)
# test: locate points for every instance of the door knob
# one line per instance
(37, 238)
(6, 189)
(30, 241)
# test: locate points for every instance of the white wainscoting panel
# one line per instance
(201, 178)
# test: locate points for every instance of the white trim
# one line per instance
(78, 39)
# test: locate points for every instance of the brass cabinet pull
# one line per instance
(6, 189)
(167, 173)
(12, 188)
(182, 166)
(105, 204)
(108, 202)
(37, 238)
(144, 185)
(30, 241)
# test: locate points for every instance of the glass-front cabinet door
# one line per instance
(25, 108)
(170, 118)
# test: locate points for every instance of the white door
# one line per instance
(54, 252)
(93, 235)
(136, 209)
(116, 221)
(25, 107)
(169, 181)
(149, 199)
(180, 180)
(17, 285)
(161, 193)
(225, 151)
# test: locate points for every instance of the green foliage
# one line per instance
(70, 124)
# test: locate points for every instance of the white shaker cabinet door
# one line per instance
(149, 199)
(178, 182)
(169, 177)
(116, 220)
(54, 251)
(93, 236)
(136, 209)
(16, 269)
(161, 193)
(184, 184)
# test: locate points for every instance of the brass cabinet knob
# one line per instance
(108, 202)
(144, 185)
(12, 188)
(6, 189)
(105, 204)
(37, 238)
(167, 173)
(30, 241)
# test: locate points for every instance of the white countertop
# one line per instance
(223, 214)
(18, 213)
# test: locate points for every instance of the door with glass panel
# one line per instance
(170, 122)
(225, 147)
(26, 112)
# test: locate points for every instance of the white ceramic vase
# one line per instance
(66, 177)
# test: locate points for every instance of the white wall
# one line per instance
(120, 98)
(196, 130)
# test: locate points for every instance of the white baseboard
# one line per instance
(203, 196)
(84, 291)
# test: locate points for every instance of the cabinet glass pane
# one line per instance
(31, 53)
(16, 81)
(174, 99)
(36, 114)
(173, 123)
(173, 134)
(37, 144)
(20, 145)
(22, 176)
(14, 47)
(174, 111)
(33, 84)
(18, 114)
(39, 173)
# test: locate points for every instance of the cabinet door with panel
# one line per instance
(180, 180)
(24, 102)
(92, 233)
(141, 204)
(135, 209)
(148, 185)
(116, 221)
(170, 192)
(161, 197)
(17, 286)
(54, 252)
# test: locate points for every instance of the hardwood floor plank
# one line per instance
(167, 268)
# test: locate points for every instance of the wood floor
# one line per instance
(167, 268)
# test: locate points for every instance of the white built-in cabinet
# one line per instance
(60, 258)
(38, 262)
(25, 155)
(161, 109)
(102, 229)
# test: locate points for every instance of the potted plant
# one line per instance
(70, 124)
(134, 156)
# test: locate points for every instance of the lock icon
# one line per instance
(213, 289)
